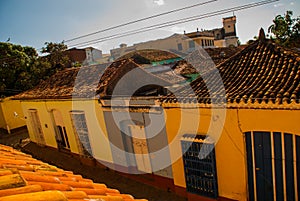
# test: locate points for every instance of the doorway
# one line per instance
(140, 148)
(273, 165)
(36, 126)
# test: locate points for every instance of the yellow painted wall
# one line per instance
(57, 116)
(97, 128)
(270, 120)
(2, 119)
(230, 147)
(45, 120)
(94, 120)
(220, 43)
(199, 40)
(8, 108)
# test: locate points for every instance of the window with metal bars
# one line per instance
(80, 127)
(200, 166)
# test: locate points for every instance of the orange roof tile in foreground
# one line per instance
(25, 178)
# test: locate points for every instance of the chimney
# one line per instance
(261, 36)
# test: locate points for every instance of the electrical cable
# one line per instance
(162, 25)
(140, 20)
(174, 22)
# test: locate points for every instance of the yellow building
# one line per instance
(253, 136)
(63, 112)
(11, 115)
(232, 134)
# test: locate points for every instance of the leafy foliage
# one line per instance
(16, 66)
(55, 55)
(286, 30)
(21, 68)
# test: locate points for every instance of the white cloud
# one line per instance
(278, 5)
(159, 2)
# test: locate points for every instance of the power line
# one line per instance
(174, 22)
(140, 20)
(162, 25)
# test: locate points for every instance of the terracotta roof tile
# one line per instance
(113, 74)
(171, 77)
(262, 72)
(49, 184)
(149, 55)
(73, 82)
(216, 55)
(90, 81)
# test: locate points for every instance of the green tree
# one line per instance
(55, 55)
(21, 68)
(15, 60)
(285, 30)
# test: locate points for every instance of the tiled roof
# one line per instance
(25, 178)
(91, 81)
(70, 83)
(217, 55)
(135, 77)
(261, 73)
(171, 77)
(148, 56)
(59, 85)
(220, 54)
(74, 82)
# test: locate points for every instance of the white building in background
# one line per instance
(187, 42)
(92, 55)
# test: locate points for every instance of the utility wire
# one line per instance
(174, 22)
(162, 25)
(167, 24)
(125, 24)
(140, 20)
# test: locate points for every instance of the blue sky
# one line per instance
(34, 22)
